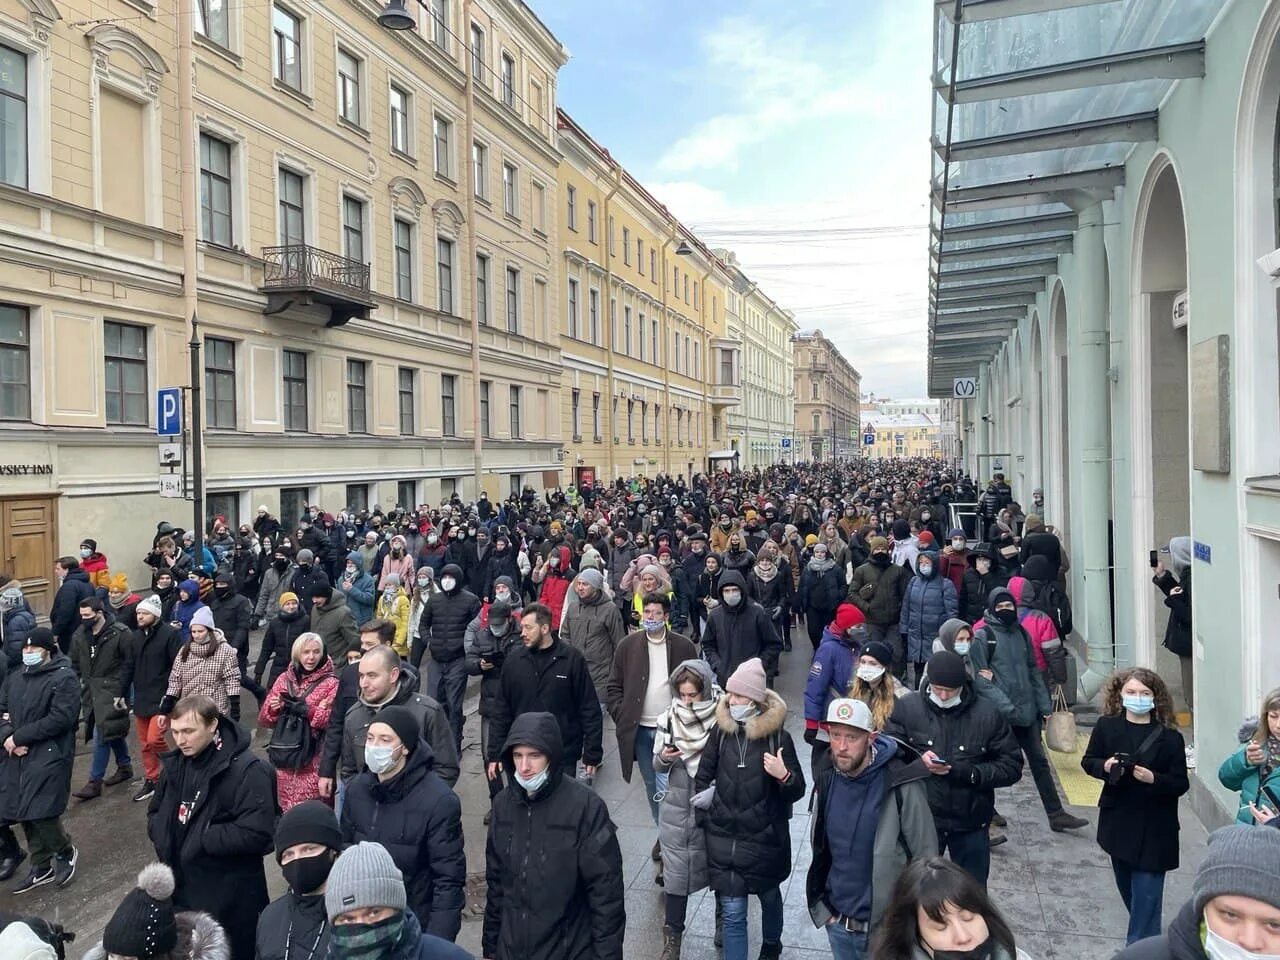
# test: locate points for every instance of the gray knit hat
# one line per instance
(363, 876)
(1241, 861)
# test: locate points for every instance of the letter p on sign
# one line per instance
(169, 411)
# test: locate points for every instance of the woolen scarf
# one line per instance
(688, 728)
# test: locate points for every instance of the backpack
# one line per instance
(1053, 602)
(293, 744)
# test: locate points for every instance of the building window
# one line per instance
(675, 351)
(444, 274)
(654, 340)
(631, 421)
(348, 87)
(657, 423)
(640, 255)
(539, 208)
(286, 51)
(353, 228)
(572, 195)
(611, 237)
(644, 422)
(695, 296)
(293, 208)
(401, 126)
(817, 423)
(593, 316)
(697, 360)
(688, 367)
(513, 300)
(404, 387)
(15, 363)
(295, 390)
(814, 386)
(575, 413)
(591, 221)
(515, 413)
(406, 494)
(715, 428)
(480, 169)
(357, 496)
(626, 330)
(626, 246)
(404, 259)
(482, 289)
(220, 383)
(726, 367)
(641, 337)
(448, 405)
(613, 324)
(357, 420)
(477, 54)
(443, 139)
(13, 117)
(126, 373)
(595, 417)
(293, 500)
(440, 24)
(508, 81)
(573, 308)
(686, 288)
(215, 187)
(653, 264)
(510, 190)
(212, 22)
(485, 423)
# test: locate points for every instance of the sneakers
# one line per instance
(90, 791)
(122, 775)
(38, 877)
(1062, 820)
(145, 792)
(64, 867)
(10, 863)
(998, 821)
(1191, 756)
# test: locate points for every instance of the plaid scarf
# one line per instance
(687, 727)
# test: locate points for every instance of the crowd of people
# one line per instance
(935, 644)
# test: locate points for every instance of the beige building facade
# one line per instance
(827, 391)
(361, 206)
(901, 435)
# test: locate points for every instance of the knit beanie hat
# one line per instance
(403, 723)
(901, 529)
(306, 556)
(590, 560)
(363, 876)
(322, 591)
(91, 544)
(310, 822)
(204, 617)
(847, 617)
(42, 637)
(288, 596)
(1241, 861)
(119, 583)
(592, 578)
(749, 681)
(881, 652)
(152, 606)
(946, 669)
(810, 540)
(878, 543)
(925, 538)
(143, 925)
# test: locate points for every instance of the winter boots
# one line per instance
(671, 941)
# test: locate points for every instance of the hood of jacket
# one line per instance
(948, 631)
(336, 601)
(199, 938)
(732, 578)
(192, 587)
(451, 570)
(355, 557)
(930, 556)
(1038, 567)
(1020, 587)
(541, 731)
(764, 724)
(994, 597)
(702, 669)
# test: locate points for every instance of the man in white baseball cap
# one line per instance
(854, 866)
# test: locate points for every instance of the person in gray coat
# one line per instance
(594, 627)
(682, 732)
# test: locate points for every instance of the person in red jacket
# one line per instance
(555, 573)
(954, 560)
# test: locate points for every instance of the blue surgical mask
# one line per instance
(32, 658)
(653, 626)
(741, 711)
(1139, 705)
(533, 784)
(379, 759)
(962, 648)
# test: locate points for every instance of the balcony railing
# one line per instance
(303, 275)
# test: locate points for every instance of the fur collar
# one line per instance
(760, 726)
(199, 938)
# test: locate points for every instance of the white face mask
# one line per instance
(870, 674)
(957, 544)
(741, 711)
(379, 759)
(732, 597)
(944, 704)
(535, 783)
(447, 584)
(1219, 948)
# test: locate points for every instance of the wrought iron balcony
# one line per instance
(301, 275)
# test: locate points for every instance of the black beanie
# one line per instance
(42, 637)
(143, 925)
(310, 822)
(404, 723)
(1039, 567)
(901, 530)
(946, 669)
(881, 651)
(322, 590)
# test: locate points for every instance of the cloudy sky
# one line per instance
(795, 134)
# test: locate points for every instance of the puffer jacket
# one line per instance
(361, 590)
(1237, 773)
(877, 591)
(594, 628)
(396, 608)
(1008, 653)
(979, 745)
(183, 611)
(418, 819)
(926, 604)
(977, 588)
(555, 585)
(445, 618)
(1038, 625)
(734, 635)
(40, 709)
(19, 621)
(829, 676)
(821, 592)
(748, 824)
(152, 651)
(100, 662)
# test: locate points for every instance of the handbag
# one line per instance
(1060, 728)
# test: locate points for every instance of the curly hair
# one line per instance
(1111, 703)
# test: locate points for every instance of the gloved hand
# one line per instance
(255, 622)
(867, 590)
(811, 736)
(53, 934)
(963, 771)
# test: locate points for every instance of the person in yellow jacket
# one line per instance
(393, 605)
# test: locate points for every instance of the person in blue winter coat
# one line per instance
(359, 587)
(188, 603)
(929, 600)
(832, 672)
(16, 623)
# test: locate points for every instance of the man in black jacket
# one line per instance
(545, 674)
(151, 652)
(444, 627)
(99, 652)
(212, 820)
(307, 576)
(232, 612)
(308, 841)
(968, 749)
(554, 867)
(73, 586)
(739, 629)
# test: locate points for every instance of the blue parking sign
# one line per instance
(169, 411)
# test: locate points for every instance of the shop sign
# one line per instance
(26, 470)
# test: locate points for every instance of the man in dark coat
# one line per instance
(554, 867)
(405, 806)
(444, 626)
(968, 749)
(232, 611)
(212, 820)
(99, 652)
(739, 629)
(151, 652)
(73, 586)
(39, 713)
(307, 576)
(546, 674)
(877, 589)
(308, 841)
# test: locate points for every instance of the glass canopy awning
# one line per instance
(1037, 104)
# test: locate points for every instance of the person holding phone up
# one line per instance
(1138, 752)
(1254, 769)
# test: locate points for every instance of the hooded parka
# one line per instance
(40, 709)
(100, 661)
(445, 618)
(734, 635)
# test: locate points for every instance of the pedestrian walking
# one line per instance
(444, 624)
(358, 587)
(876, 589)
(929, 600)
(151, 652)
(297, 711)
(738, 629)
(593, 626)
(99, 653)
(205, 666)
(493, 634)
(331, 618)
(394, 605)
(822, 590)
(73, 586)
(285, 628)
(294, 926)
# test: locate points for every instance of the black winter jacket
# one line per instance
(212, 820)
(555, 680)
(40, 709)
(1180, 940)
(306, 580)
(151, 653)
(100, 662)
(1177, 633)
(231, 615)
(976, 740)
(296, 921)
(877, 591)
(444, 620)
(976, 590)
(734, 635)
(554, 867)
(747, 827)
(418, 819)
(277, 643)
(821, 593)
(485, 646)
(64, 617)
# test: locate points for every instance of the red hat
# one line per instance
(847, 617)
(664, 550)
(925, 538)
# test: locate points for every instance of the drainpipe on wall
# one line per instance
(611, 388)
(469, 119)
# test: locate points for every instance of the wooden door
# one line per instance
(27, 526)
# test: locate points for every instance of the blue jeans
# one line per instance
(655, 783)
(1143, 896)
(846, 945)
(102, 750)
(735, 922)
(970, 849)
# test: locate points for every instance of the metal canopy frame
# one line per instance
(977, 10)
(1013, 226)
(1134, 128)
(1060, 243)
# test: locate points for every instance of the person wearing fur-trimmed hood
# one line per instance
(146, 927)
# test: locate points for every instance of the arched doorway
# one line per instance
(1035, 409)
(1162, 464)
(1058, 492)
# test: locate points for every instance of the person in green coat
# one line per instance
(1254, 769)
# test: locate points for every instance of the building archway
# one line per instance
(1058, 491)
(1035, 408)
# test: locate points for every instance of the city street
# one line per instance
(1056, 890)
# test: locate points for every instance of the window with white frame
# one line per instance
(403, 241)
(295, 390)
(573, 308)
(286, 48)
(353, 228)
(444, 274)
(626, 246)
(440, 24)
(448, 405)
(508, 80)
(631, 421)
(482, 289)
(480, 169)
(591, 221)
(516, 432)
(575, 413)
(626, 330)
(595, 417)
(510, 190)
(477, 54)
(15, 363)
(401, 121)
(572, 212)
(212, 21)
(654, 338)
(485, 422)
(657, 423)
(644, 422)
(349, 70)
(215, 186)
(220, 383)
(293, 207)
(641, 330)
(513, 300)
(653, 264)
(442, 137)
(357, 398)
(593, 316)
(539, 207)
(13, 117)
(405, 397)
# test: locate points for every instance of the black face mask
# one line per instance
(880, 559)
(1007, 617)
(221, 589)
(281, 565)
(981, 952)
(307, 874)
(304, 567)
